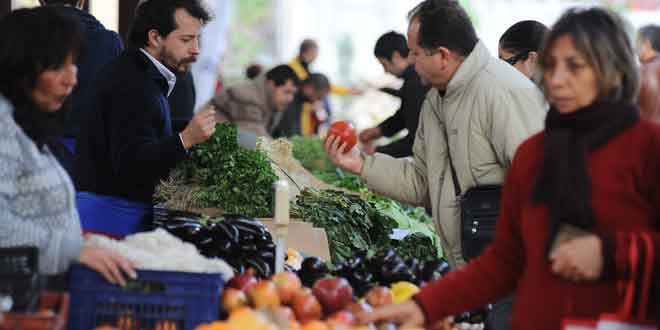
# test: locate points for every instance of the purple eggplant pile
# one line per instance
(242, 242)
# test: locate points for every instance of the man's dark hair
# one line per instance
(159, 16)
(524, 36)
(652, 34)
(282, 73)
(319, 81)
(31, 42)
(253, 70)
(389, 43)
(306, 45)
(444, 23)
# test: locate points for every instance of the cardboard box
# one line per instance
(304, 238)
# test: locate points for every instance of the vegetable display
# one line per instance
(221, 174)
(242, 242)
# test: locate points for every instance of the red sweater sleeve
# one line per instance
(488, 277)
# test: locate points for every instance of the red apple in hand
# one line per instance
(345, 132)
(334, 293)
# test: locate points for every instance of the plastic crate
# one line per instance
(19, 277)
(52, 314)
(156, 300)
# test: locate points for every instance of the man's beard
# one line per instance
(177, 66)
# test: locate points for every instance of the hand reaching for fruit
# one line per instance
(349, 159)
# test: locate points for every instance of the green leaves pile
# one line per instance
(351, 223)
(237, 179)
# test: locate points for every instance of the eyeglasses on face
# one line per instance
(515, 58)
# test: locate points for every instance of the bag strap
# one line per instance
(649, 260)
(641, 276)
(454, 177)
(629, 293)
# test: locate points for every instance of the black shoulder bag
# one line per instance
(480, 208)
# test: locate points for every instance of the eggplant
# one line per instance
(186, 231)
(434, 270)
(312, 269)
(225, 231)
(475, 316)
(262, 268)
(396, 273)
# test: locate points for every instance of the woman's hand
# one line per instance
(408, 314)
(351, 161)
(108, 263)
(579, 259)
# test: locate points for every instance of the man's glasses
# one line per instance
(515, 58)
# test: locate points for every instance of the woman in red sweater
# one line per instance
(572, 194)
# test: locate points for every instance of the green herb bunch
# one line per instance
(237, 179)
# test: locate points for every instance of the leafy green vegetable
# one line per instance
(351, 223)
(311, 154)
(236, 179)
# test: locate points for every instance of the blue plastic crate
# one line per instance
(156, 300)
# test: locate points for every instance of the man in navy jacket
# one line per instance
(127, 144)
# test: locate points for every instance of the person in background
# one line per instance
(307, 54)
(520, 44)
(101, 46)
(256, 106)
(477, 113)
(39, 49)
(253, 71)
(127, 144)
(569, 203)
(648, 43)
(648, 46)
(391, 50)
(298, 118)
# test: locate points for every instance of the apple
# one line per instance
(264, 295)
(334, 293)
(379, 296)
(287, 284)
(305, 306)
(345, 132)
(243, 281)
(233, 298)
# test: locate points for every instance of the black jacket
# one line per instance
(182, 101)
(412, 95)
(126, 145)
(101, 47)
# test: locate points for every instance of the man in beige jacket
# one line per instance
(257, 106)
(485, 105)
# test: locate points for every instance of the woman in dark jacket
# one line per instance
(573, 196)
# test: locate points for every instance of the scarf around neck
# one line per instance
(563, 183)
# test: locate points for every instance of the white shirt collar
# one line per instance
(169, 76)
